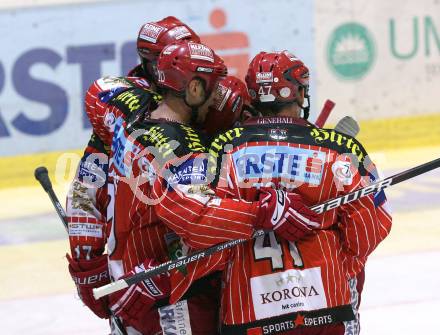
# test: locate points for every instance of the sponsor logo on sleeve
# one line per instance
(190, 172)
(124, 150)
(108, 83)
(107, 95)
(85, 230)
(93, 169)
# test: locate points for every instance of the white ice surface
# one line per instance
(401, 297)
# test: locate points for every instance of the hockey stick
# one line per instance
(328, 205)
(325, 112)
(348, 126)
(41, 174)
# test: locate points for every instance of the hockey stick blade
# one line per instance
(325, 112)
(328, 205)
(348, 126)
(42, 175)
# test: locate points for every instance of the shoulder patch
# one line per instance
(110, 82)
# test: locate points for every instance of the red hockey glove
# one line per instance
(87, 275)
(285, 213)
(134, 303)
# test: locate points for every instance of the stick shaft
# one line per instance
(41, 174)
(59, 209)
(328, 205)
(325, 113)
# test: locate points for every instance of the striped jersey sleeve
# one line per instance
(188, 206)
(86, 202)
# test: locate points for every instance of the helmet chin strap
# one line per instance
(194, 109)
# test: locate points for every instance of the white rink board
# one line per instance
(67, 47)
(46, 64)
(402, 78)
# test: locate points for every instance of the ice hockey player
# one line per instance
(231, 101)
(143, 152)
(152, 38)
(87, 200)
(297, 286)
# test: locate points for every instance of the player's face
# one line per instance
(204, 109)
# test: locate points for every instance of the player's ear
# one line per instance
(300, 95)
(195, 88)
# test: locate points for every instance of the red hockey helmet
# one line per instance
(154, 36)
(276, 77)
(231, 97)
(181, 62)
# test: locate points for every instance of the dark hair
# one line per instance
(272, 108)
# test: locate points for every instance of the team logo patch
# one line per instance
(264, 77)
(147, 169)
(150, 32)
(278, 134)
(342, 171)
(109, 120)
(180, 32)
(200, 51)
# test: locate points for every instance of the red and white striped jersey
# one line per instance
(86, 202)
(160, 194)
(268, 277)
(180, 202)
(159, 204)
(133, 229)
